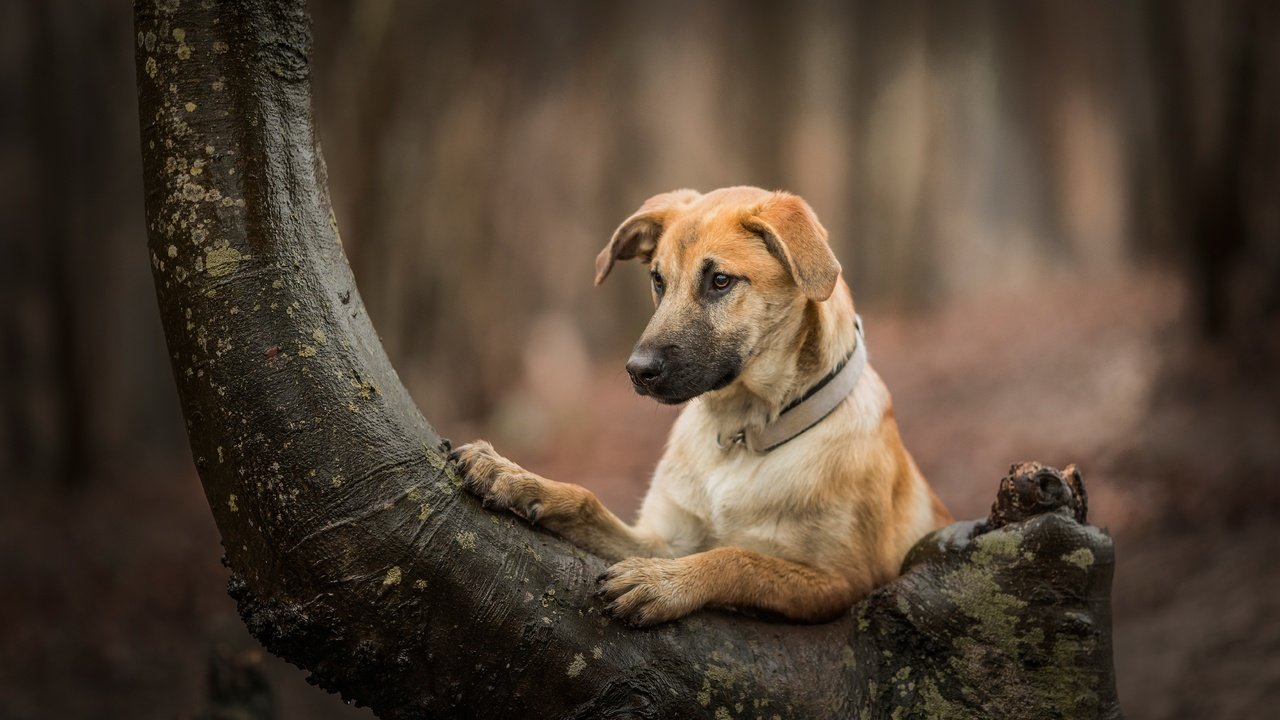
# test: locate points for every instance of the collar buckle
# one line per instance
(738, 438)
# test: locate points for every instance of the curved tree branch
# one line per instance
(355, 555)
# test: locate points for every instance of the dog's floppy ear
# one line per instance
(638, 235)
(791, 231)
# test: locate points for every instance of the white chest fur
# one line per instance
(776, 502)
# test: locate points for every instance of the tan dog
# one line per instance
(784, 486)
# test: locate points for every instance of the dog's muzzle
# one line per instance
(673, 374)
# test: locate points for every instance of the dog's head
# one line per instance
(732, 270)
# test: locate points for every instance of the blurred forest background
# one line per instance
(1060, 220)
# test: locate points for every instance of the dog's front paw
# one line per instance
(498, 482)
(647, 591)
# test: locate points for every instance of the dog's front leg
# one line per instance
(647, 591)
(570, 511)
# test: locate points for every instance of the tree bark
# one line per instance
(355, 554)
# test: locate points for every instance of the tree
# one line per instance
(355, 554)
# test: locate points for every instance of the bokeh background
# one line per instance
(1060, 219)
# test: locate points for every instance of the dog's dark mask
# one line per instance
(677, 366)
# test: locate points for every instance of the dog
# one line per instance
(785, 486)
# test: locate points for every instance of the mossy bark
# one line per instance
(355, 554)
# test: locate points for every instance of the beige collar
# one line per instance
(817, 403)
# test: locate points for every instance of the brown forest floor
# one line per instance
(111, 597)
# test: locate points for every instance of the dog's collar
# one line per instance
(810, 408)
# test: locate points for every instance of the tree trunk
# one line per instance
(355, 554)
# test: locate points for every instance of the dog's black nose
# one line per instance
(645, 366)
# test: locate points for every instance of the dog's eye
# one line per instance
(721, 282)
(658, 284)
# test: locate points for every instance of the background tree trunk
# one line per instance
(355, 554)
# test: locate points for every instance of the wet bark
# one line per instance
(355, 554)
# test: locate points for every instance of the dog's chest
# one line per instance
(745, 499)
